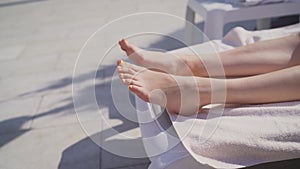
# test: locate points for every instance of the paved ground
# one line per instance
(39, 43)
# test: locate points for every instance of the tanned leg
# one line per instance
(277, 86)
(258, 58)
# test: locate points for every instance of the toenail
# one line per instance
(119, 62)
(130, 86)
(121, 75)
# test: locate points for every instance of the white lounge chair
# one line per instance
(158, 143)
(217, 13)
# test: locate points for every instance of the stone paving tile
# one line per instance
(85, 152)
(17, 114)
(43, 36)
(142, 166)
(119, 6)
(67, 61)
(85, 28)
(36, 50)
(37, 84)
(111, 160)
(55, 109)
(58, 147)
(88, 59)
(177, 7)
(10, 52)
(15, 35)
(44, 63)
(58, 108)
(121, 138)
(71, 25)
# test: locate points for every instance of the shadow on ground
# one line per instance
(13, 3)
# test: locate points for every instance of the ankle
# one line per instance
(195, 65)
(213, 91)
(205, 90)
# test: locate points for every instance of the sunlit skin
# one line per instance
(160, 61)
(145, 83)
(266, 71)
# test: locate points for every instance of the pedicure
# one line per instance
(121, 62)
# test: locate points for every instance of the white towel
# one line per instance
(245, 135)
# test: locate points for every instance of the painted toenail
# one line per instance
(120, 62)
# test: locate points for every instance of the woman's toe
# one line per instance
(127, 47)
(125, 70)
(134, 67)
(140, 92)
(123, 44)
(126, 76)
(127, 81)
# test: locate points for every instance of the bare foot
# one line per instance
(178, 94)
(160, 61)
